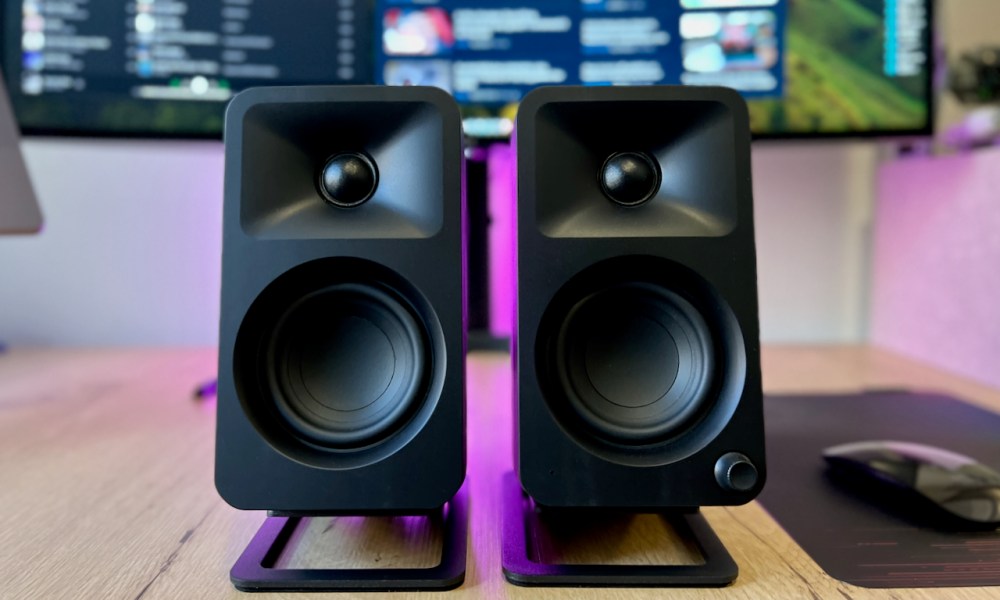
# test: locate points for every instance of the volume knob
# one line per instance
(735, 472)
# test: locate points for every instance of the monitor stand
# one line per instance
(19, 211)
(257, 570)
(522, 566)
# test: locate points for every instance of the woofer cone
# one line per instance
(640, 360)
(339, 363)
(635, 362)
(346, 365)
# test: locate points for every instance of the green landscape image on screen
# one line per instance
(834, 75)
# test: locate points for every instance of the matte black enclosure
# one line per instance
(342, 337)
(637, 348)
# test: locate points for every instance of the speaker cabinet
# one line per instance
(637, 354)
(341, 362)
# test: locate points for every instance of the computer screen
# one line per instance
(167, 67)
(806, 67)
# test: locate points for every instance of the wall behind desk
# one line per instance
(130, 252)
(937, 262)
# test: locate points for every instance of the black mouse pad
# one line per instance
(856, 541)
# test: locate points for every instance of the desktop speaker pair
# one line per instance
(342, 343)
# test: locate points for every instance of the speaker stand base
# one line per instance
(719, 568)
(255, 570)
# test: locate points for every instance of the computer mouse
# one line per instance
(936, 487)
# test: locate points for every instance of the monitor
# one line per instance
(806, 67)
(167, 67)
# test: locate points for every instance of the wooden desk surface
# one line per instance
(106, 481)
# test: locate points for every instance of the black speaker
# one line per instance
(341, 362)
(637, 352)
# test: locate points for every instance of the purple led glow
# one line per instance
(937, 249)
(490, 456)
(502, 198)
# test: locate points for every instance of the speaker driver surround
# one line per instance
(340, 362)
(640, 361)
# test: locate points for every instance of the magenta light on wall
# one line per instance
(501, 193)
(936, 279)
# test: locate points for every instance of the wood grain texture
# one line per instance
(106, 483)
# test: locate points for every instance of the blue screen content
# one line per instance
(490, 53)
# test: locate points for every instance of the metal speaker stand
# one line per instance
(256, 571)
(719, 568)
